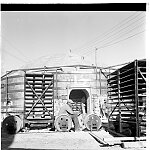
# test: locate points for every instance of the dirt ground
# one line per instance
(36, 140)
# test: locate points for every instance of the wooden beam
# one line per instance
(98, 138)
(137, 144)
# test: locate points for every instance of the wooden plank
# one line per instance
(35, 98)
(114, 78)
(15, 112)
(40, 94)
(126, 139)
(102, 136)
(115, 133)
(113, 82)
(36, 116)
(128, 86)
(127, 77)
(15, 83)
(99, 139)
(124, 97)
(128, 102)
(137, 144)
(37, 83)
(38, 106)
(38, 79)
(37, 87)
(39, 75)
(114, 90)
(114, 94)
(45, 101)
(112, 86)
(39, 90)
(14, 91)
(81, 80)
(13, 99)
(127, 71)
(15, 76)
(127, 81)
(39, 110)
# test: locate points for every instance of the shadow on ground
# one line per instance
(6, 140)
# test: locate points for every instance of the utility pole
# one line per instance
(96, 65)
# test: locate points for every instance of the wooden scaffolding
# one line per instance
(127, 99)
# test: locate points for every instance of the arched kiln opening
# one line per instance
(79, 97)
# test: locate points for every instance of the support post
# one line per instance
(96, 65)
(24, 112)
(53, 104)
(136, 98)
(56, 85)
(100, 81)
(119, 101)
(7, 98)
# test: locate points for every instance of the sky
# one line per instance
(29, 38)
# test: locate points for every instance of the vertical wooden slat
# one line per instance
(100, 84)
(24, 111)
(43, 88)
(56, 85)
(7, 98)
(53, 102)
(119, 101)
(108, 99)
(136, 98)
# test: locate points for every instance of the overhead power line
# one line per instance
(122, 40)
(11, 44)
(14, 56)
(113, 29)
(129, 31)
(14, 47)
(118, 31)
(116, 42)
(106, 39)
(118, 37)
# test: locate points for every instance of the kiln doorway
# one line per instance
(79, 96)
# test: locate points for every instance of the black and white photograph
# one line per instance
(74, 80)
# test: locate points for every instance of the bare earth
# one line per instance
(36, 140)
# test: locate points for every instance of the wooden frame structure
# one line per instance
(39, 98)
(36, 94)
(127, 98)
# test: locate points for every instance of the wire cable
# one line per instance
(14, 56)
(123, 34)
(117, 32)
(94, 45)
(118, 41)
(121, 40)
(14, 47)
(129, 31)
(124, 21)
